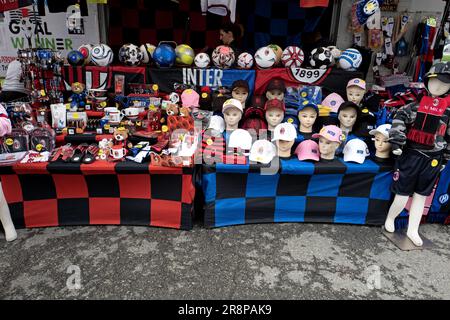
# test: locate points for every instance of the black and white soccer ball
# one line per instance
(321, 58)
(147, 50)
(102, 55)
(130, 55)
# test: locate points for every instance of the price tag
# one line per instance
(9, 142)
(308, 76)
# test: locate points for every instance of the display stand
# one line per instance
(401, 241)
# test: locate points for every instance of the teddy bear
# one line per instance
(121, 136)
(172, 109)
(78, 98)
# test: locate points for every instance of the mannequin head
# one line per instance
(347, 116)
(356, 89)
(381, 140)
(330, 138)
(240, 91)
(284, 138)
(275, 90)
(232, 113)
(327, 148)
(274, 111)
(307, 116)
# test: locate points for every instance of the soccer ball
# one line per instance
(335, 52)
(292, 57)
(86, 51)
(164, 56)
(350, 60)
(278, 52)
(102, 55)
(245, 61)
(265, 58)
(75, 58)
(223, 57)
(202, 60)
(147, 52)
(321, 58)
(130, 55)
(185, 55)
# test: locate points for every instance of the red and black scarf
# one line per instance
(428, 121)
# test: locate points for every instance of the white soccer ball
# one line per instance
(147, 50)
(350, 59)
(102, 55)
(223, 57)
(245, 61)
(202, 60)
(265, 58)
(292, 57)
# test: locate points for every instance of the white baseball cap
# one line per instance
(263, 151)
(232, 103)
(285, 131)
(383, 129)
(240, 138)
(356, 150)
(217, 123)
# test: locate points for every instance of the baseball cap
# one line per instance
(232, 103)
(275, 103)
(308, 104)
(311, 93)
(276, 84)
(217, 123)
(356, 150)
(262, 151)
(331, 133)
(349, 104)
(190, 98)
(308, 150)
(240, 84)
(240, 138)
(258, 101)
(383, 129)
(333, 101)
(284, 131)
(357, 83)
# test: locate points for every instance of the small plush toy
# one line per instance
(185, 112)
(172, 109)
(78, 98)
(105, 149)
(121, 136)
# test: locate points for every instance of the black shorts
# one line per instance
(416, 172)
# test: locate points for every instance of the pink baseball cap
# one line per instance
(331, 133)
(190, 98)
(333, 101)
(357, 83)
(308, 150)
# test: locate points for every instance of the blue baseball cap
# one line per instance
(308, 104)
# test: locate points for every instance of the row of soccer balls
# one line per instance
(222, 57)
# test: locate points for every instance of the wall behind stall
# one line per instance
(416, 8)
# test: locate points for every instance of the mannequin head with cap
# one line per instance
(274, 112)
(347, 116)
(330, 138)
(356, 89)
(307, 116)
(284, 138)
(276, 89)
(240, 91)
(232, 113)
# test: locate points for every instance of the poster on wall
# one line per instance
(389, 5)
(64, 29)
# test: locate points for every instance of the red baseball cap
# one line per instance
(275, 103)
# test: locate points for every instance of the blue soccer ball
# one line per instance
(164, 56)
(75, 58)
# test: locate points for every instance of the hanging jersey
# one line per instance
(220, 7)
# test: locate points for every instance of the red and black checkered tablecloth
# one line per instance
(124, 193)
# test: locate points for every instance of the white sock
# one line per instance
(396, 208)
(357, 39)
(388, 46)
(415, 216)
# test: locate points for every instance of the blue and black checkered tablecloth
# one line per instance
(329, 192)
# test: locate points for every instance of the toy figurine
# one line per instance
(78, 98)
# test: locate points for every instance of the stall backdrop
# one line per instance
(48, 20)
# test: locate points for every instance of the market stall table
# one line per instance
(122, 193)
(334, 192)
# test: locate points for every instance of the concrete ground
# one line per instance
(274, 261)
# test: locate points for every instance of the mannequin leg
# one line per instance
(415, 216)
(396, 208)
(5, 218)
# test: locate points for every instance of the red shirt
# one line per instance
(313, 3)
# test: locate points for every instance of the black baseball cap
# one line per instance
(240, 84)
(276, 84)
